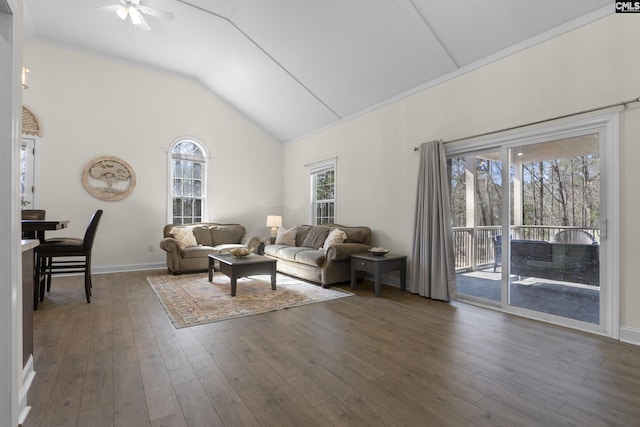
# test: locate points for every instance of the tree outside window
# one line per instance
(188, 170)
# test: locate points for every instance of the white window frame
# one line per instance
(608, 127)
(203, 159)
(314, 170)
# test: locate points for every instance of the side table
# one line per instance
(377, 265)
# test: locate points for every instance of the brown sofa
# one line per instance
(210, 238)
(308, 260)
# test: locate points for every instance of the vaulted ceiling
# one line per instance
(294, 66)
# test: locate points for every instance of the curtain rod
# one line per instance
(618, 104)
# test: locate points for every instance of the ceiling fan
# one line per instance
(135, 11)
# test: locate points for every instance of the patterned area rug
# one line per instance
(190, 299)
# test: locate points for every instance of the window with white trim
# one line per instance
(323, 192)
(187, 171)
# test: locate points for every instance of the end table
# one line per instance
(377, 265)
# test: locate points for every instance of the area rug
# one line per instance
(190, 299)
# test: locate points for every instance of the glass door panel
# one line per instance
(476, 206)
(554, 262)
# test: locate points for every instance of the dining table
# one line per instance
(42, 225)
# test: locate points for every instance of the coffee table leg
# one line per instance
(273, 278)
(211, 269)
(353, 273)
(234, 282)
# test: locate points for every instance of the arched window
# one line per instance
(187, 171)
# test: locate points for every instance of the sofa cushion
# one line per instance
(316, 237)
(286, 237)
(310, 257)
(289, 252)
(184, 237)
(221, 234)
(197, 252)
(301, 233)
(202, 235)
(299, 254)
(272, 250)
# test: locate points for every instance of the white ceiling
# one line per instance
(294, 66)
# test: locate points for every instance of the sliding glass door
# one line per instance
(532, 216)
(554, 243)
(476, 211)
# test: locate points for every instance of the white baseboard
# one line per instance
(28, 374)
(630, 335)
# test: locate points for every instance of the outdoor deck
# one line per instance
(475, 265)
(571, 300)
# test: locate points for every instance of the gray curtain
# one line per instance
(433, 264)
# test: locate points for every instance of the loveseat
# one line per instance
(317, 253)
(189, 245)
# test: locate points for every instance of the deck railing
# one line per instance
(474, 246)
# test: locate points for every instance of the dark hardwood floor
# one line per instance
(391, 361)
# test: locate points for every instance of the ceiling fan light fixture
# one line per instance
(136, 19)
(134, 11)
(122, 12)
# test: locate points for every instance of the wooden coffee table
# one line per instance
(235, 267)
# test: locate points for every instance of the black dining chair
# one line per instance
(52, 257)
(32, 214)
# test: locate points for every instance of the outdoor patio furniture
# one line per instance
(574, 236)
(567, 262)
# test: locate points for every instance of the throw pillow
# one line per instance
(184, 237)
(316, 237)
(202, 234)
(286, 237)
(335, 236)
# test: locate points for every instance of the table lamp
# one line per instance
(275, 222)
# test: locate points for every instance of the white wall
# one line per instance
(91, 106)
(12, 387)
(594, 65)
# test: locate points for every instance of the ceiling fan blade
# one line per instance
(111, 8)
(122, 12)
(157, 12)
(142, 24)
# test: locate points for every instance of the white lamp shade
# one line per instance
(274, 221)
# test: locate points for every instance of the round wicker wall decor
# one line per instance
(108, 178)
